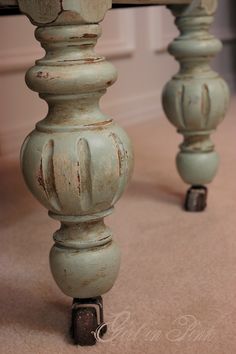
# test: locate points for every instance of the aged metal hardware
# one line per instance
(196, 199)
(87, 318)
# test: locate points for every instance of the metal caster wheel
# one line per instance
(87, 317)
(196, 199)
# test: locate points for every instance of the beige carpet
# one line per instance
(176, 292)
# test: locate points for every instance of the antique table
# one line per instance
(77, 162)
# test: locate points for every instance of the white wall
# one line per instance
(133, 39)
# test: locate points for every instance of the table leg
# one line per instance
(77, 163)
(196, 98)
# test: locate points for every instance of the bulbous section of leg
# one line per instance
(84, 267)
(196, 107)
(196, 103)
(197, 168)
(79, 176)
(79, 172)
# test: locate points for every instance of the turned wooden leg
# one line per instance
(77, 161)
(196, 99)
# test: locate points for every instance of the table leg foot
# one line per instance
(87, 320)
(196, 199)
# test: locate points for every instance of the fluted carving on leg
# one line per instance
(196, 98)
(77, 162)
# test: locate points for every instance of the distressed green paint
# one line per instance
(77, 162)
(196, 99)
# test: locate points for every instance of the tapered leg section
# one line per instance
(77, 162)
(196, 99)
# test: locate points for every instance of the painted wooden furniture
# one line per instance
(77, 162)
